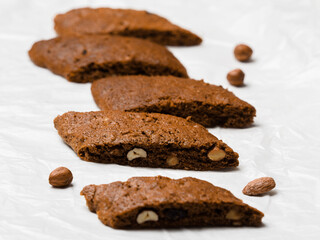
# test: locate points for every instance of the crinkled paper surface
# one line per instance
(282, 82)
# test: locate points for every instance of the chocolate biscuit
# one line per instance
(125, 22)
(161, 202)
(87, 58)
(206, 104)
(143, 140)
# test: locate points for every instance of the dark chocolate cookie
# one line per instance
(207, 104)
(143, 140)
(87, 58)
(125, 22)
(161, 202)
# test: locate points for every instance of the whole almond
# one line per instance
(60, 177)
(259, 186)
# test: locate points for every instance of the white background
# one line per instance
(282, 83)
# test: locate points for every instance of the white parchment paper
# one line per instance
(282, 82)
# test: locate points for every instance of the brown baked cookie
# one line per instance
(161, 202)
(207, 104)
(143, 140)
(87, 58)
(125, 22)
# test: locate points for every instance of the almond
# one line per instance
(216, 154)
(259, 186)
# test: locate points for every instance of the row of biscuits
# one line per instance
(145, 94)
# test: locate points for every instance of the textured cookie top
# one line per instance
(133, 92)
(64, 55)
(148, 191)
(138, 129)
(120, 22)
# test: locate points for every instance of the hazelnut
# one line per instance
(136, 153)
(216, 154)
(242, 52)
(236, 77)
(233, 215)
(60, 177)
(146, 216)
(172, 161)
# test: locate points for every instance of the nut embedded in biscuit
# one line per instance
(146, 216)
(216, 154)
(136, 153)
(172, 161)
(233, 215)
